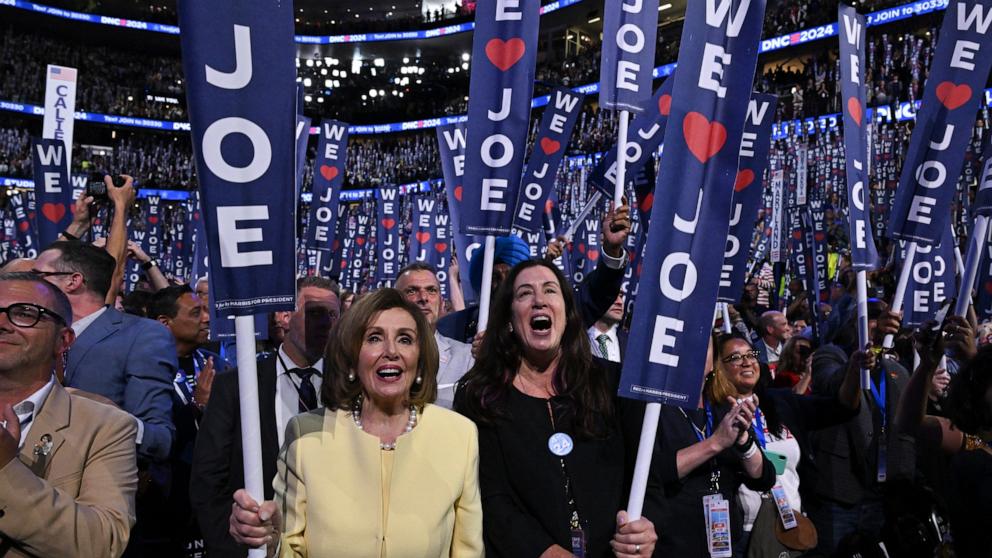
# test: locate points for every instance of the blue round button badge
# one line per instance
(560, 444)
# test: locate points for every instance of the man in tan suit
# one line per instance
(68, 472)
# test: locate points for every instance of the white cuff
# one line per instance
(141, 430)
(614, 263)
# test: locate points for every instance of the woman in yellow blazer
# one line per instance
(380, 472)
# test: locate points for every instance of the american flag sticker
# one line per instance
(62, 73)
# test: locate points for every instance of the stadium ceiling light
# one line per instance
(307, 82)
(406, 60)
(594, 19)
(309, 63)
(664, 7)
(307, 98)
(466, 56)
(373, 93)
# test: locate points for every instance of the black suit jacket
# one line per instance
(218, 469)
(844, 453)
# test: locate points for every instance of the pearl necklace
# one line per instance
(356, 415)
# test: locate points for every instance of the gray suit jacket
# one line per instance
(132, 362)
(455, 360)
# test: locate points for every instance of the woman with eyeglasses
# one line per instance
(701, 456)
(781, 423)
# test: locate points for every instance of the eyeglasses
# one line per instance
(738, 358)
(40, 273)
(24, 314)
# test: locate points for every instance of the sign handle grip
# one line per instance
(971, 265)
(645, 448)
(907, 268)
(251, 431)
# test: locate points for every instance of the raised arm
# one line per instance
(122, 199)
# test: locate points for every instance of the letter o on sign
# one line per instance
(688, 284)
(630, 29)
(487, 151)
(212, 156)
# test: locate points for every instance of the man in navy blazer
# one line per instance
(127, 359)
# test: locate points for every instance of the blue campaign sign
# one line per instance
(552, 140)
(387, 235)
(51, 185)
(643, 138)
(328, 177)
(677, 295)
(630, 28)
(931, 282)
(960, 66)
(983, 282)
(755, 143)
(451, 146)
(26, 239)
(241, 88)
(302, 135)
(983, 198)
(864, 257)
(504, 53)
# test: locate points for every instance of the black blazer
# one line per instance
(845, 454)
(218, 469)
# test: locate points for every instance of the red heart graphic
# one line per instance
(196, 215)
(179, 245)
(704, 138)
(854, 109)
(988, 287)
(388, 223)
(344, 264)
(797, 234)
(441, 247)
(952, 96)
(744, 179)
(97, 222)
(548, 206)
(818, 236)
(593, 255)
(423, 237)
(360, 241)
(458, 193)
(335, 245)
(153, 219)
(328, 172)
(665, 104)
(768, 231)
(504, 54)
(549, 146)
(647, 202)
(31, 215)
(24, 226)
(582, 248)
(54, 212)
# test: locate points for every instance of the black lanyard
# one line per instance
(574, 522)
(702, 435)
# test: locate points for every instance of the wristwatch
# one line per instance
(148, 265)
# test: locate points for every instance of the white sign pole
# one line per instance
(618, 188)
(971, 266)
(251, 429)
(907, 268)
(485, 294)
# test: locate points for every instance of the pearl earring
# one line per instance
(351, 376)
(419, 380)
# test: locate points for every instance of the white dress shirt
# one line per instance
(612, 343)
(27, 409)
(287, 396)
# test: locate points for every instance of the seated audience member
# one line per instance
(774, 330)
(67, 463)
(288, 384)
(127, 359)
(595, 295)
(380, 471)
(419, 285)
(606, 338)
